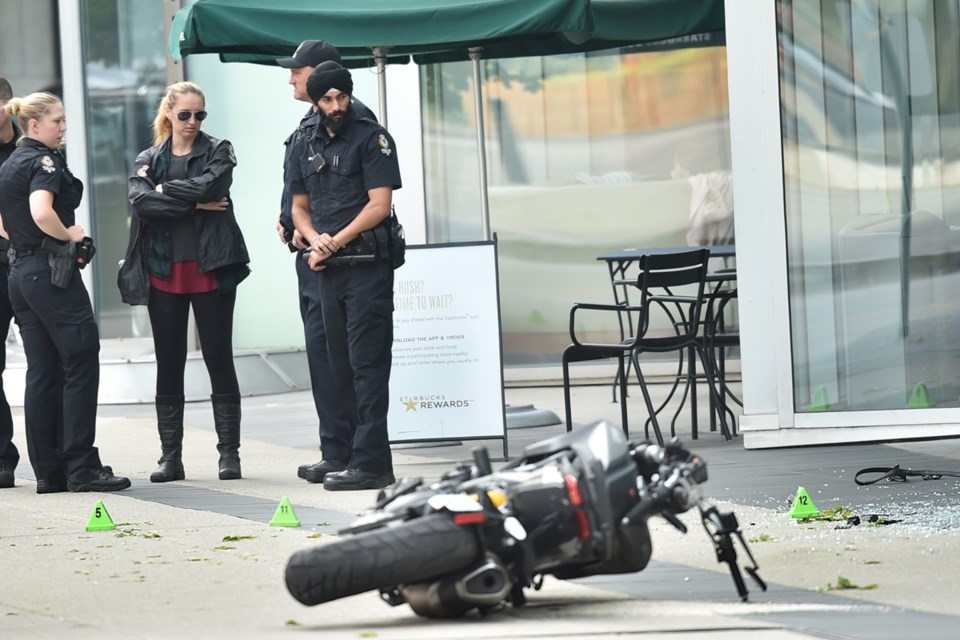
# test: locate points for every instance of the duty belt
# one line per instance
(14, 254)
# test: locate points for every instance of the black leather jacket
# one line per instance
(210, 166)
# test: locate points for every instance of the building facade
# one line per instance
(833, 129)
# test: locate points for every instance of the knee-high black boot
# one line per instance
(170, 426)
(226, 419)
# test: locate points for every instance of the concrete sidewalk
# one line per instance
(197, 559)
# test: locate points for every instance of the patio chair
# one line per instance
(717, 339)
(660, 276)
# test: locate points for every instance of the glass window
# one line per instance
(586, 154)
(125, 78)
(871, 141)
(29, 66)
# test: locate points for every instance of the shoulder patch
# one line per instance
(143, 171)
(46, 163)
(384, 144)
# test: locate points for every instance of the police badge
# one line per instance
(142, 171)
(46, 163)
(384, 145)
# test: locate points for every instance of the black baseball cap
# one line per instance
(310, 53)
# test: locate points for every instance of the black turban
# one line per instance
(328, 75)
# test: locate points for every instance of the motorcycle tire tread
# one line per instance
(414, 551)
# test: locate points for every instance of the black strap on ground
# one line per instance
(897, 474)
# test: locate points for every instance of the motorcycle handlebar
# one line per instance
(673, 476)
(654, 459)
(677, 493)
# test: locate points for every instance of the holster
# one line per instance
(381, 239)
(365, 244)
(396, 240)
(386, 241)
(4, 248)
(62, 259)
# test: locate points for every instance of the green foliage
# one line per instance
(845, 583)
(764, 537)
(129, 533)
(830, 515)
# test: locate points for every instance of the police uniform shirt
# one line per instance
(359, 158)
(35, 167)
(308, 125)
(6, 148)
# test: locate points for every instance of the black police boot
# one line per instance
(226, 419)
(6, 475)
(170, 426)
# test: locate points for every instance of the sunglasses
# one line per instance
(183, 116)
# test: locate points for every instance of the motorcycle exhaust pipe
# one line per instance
(485, 586)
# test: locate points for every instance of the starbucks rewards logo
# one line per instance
(428, 402)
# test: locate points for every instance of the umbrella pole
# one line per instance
(481, 146)
(380, 57)
(898, 86)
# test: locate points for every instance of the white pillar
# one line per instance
(753, 81)
(75, 107)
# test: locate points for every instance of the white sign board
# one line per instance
(447, 375)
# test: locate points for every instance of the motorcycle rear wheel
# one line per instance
(414, 551)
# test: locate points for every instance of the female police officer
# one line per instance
(38, 196)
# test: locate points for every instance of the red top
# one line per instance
(185, 277)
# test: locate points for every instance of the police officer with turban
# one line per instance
(327, 391)
(342, 183)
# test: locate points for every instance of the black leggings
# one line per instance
(214, 315)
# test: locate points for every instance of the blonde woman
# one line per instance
(186, 238)
(38, 199)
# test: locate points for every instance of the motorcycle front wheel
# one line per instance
(414, 551)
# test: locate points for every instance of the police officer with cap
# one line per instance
(9, 456)
(327, 392)
(342, 180)
(38, 199)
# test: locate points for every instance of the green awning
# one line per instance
(275, 27)
(433, 30)
(616, 23)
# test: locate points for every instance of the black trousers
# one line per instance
(357, 303)
(8, 451)
(62, 345)
(334, 398)
(213, 311)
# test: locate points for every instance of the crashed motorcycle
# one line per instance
(571, 506)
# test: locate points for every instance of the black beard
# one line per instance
(336, 126)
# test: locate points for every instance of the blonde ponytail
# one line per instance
(31, 107)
